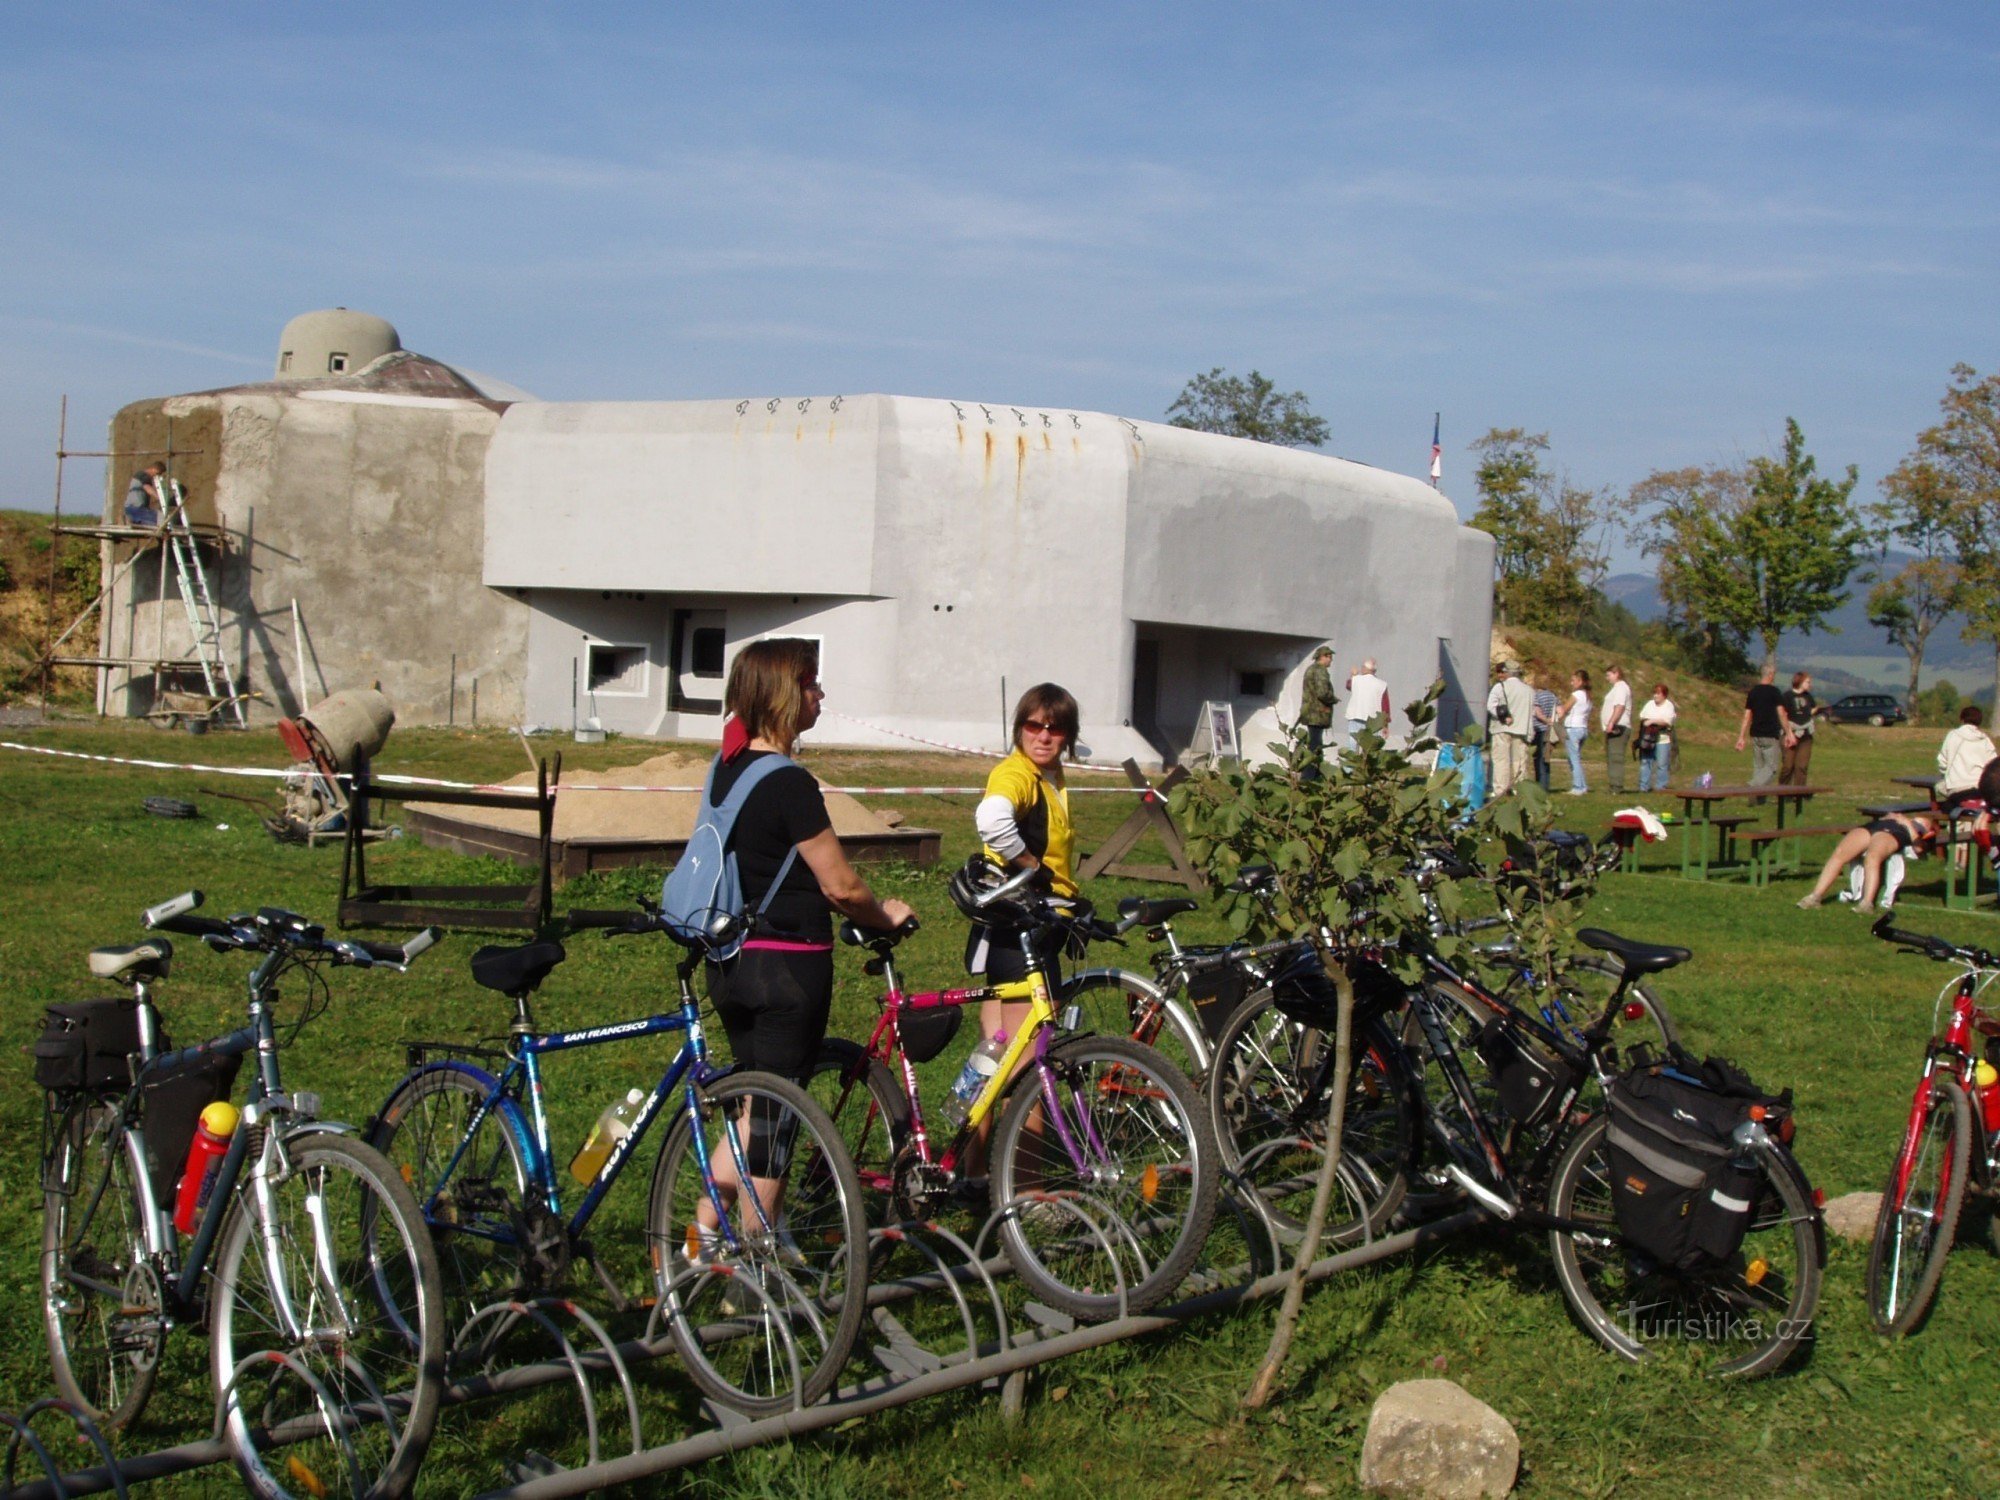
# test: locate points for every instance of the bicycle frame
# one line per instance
(1953, 1049)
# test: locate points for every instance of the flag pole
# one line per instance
(1437, 452)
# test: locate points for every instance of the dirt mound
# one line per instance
(663, 816)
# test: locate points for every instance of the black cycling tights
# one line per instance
(774, 1005)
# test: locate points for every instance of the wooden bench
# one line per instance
(1883, 809)
(1764, 847)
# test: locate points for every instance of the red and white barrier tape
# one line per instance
(1088, 765)
(474, 786)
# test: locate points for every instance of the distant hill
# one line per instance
(1851, 651)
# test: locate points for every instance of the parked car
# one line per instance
(1865, 708)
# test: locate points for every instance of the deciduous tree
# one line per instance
(1915, 514)
(1961, 459)
(1551, 537)
(1249, 407)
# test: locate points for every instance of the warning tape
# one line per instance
(475, 786)
(1088, 765)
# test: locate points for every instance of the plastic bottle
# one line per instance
(1704, 781)
(204, 1163)
(612, 1127)
(984, 1062)
(1986, 1078)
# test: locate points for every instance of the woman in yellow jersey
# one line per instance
(1024, 820)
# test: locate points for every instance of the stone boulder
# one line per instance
(1852, 1215)
(1430, 1438)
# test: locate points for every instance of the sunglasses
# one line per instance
(810, 685)
(1037, 726)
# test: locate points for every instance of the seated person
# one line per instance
(1964, 755)
(1872, 843)
(142, 496)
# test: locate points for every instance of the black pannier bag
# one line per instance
(1528, 1082)
(1216, 992)
(1683, 1190)
(927, 1032)
(84, 1045)
(171, 1108)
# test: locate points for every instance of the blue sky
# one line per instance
(1650, 231)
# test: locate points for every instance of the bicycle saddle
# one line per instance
(147, 960)
(1638, 958)
(516, 969)
(1252, 878)
(1144, 913)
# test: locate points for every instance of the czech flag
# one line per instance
(1437, 453)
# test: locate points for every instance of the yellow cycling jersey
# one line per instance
(1041, 812)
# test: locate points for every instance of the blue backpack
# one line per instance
(705, 884)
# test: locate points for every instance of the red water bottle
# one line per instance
(204, 1163)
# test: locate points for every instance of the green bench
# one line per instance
(1766, 848)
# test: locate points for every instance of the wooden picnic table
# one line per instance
(1921, 783)
(1699, 817)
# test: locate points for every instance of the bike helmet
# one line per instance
(974, 889)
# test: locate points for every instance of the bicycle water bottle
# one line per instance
(982, 1065)
(612, 1127)
(204, 1163)
(1986, 1078)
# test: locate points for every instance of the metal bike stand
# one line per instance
(298, 1428)
(506, 1317)
(715, 1333)
(22, 1427)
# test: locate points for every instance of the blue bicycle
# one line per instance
(762, 1288)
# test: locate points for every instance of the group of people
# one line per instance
(1366, 695)
(1525, 720)
(775, 996)
(1778, 727)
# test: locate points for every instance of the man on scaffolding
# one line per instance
(144, 502)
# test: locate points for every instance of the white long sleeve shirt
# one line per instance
(1961, 758)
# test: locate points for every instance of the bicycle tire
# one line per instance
(104, 1349)
(815, 1274)
(1271, 1133)
(1753, 1312)
(872, 1115)
(1117, 1002)
(476, 1214)
(1655, 1027)
(389, 1346)
(1159, 1173)
(1917, 1220)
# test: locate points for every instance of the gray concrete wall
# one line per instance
(367, 509)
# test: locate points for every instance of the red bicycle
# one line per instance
(1951, 1143)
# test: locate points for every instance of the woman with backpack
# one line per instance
(773, 997)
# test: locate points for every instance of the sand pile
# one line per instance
(658, 816)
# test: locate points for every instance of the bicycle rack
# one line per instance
(982, 1344)
(23, 1435)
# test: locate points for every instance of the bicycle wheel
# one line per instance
(1745, 1316)
(1130, 1148)
(100, 1297)
(1919, 1213)
(737, 1312)
(1270, 1121)
(1115, 1002)
(475, 1208)
(352, 1411)
(872, 1115)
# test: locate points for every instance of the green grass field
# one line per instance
(1804, 999)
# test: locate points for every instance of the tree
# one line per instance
(1961, 457)
(1909, 604)
(1248, 407)
(1751, 553)
(1550, 536)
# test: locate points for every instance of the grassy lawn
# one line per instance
(1804, 999)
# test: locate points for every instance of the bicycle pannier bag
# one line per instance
(171, 1108)
(1682, 1189)
(84, 1044)
(1527, 1081)
(704, 884)
(927, 1032)
(1216, 992)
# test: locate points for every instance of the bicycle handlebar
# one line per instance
(270, 929)
(1932, 946)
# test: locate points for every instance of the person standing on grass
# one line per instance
(1576, 727)
(1763, 727)
(1800, 706)
(1656, 739)
(1510, 715)
(1316, 701)
(1616, 722)
(1548, 711)
(1367, 696)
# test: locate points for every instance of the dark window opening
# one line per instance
(336, 364)
(1250, 684)
(705, 651)
(615, 669)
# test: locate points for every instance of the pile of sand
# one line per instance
(654, 816)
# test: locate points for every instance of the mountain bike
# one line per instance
(1104, 1175)
(1949, 1145)
(309, 1260)
(763, 1302)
